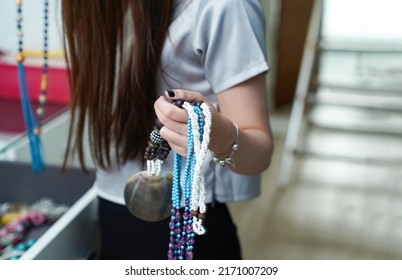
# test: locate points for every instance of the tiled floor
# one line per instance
(334, 209)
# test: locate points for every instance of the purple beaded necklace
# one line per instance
(187, 222)
(182, 240)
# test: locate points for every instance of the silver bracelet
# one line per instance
(228, 160)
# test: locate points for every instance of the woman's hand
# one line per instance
(245, 105)
(174, 119)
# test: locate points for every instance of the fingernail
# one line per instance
(171, 93)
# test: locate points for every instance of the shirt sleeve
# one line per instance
(230, 40)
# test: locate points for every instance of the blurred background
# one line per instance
(334, 187)
(333, 190)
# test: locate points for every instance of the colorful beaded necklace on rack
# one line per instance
(33, 124)
(185, 224)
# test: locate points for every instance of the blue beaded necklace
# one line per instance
(33, 125)
(181, 234)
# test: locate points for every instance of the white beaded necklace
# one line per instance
(200, 149)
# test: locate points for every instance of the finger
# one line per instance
(166, 109)
(178, 142)
(171, 116)
(179, 150)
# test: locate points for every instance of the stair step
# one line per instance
(370, 46)
(352, 98)
(355, 119)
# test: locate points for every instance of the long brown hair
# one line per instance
(113, 74)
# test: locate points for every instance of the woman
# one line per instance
(129, 60)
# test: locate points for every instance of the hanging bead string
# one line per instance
(182, 235)
(45, 66)
(174, 224)
(188, 237)
(158, 148)
(201, 125)
(32, 126)
(156, 151)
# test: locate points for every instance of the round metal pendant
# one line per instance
(148, 197)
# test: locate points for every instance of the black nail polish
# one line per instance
(171, 93)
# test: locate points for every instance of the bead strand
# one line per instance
(20, 35)
(188, 238)
(182, 234)
(201, 142)
(197, 171)
(158, 148)
(204, 148)
(199, 206)
(31, 125)
(44, 77)
(156, 151)
(194, 125)
(197, 216)
(175, 212)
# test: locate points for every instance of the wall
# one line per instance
(32, 18)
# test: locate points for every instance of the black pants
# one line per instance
(125, 237)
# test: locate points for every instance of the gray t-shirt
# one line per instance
(212, 46)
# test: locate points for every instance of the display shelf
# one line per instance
(74, 234)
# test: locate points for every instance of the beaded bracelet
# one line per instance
(228, 160)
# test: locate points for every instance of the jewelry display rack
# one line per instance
(362, 100)
(45, 214)
(74, 234)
